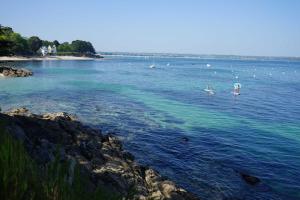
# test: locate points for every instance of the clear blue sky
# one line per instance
(240, 27)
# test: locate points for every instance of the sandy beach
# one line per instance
(21, 58)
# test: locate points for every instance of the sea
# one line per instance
(157, 105)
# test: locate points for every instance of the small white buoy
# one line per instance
(208, 65)
(254, 76)
(236, 77)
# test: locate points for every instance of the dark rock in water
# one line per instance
(251, 180)
(14, 72)
(185, 139)
(97, 108)
(101, 157)
(128, 156)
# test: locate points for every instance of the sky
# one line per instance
(226, 27)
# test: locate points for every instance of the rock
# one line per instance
(100, 157)
(14, 72)
(18, 111)
(251, 180)
(17, 132)
(59, 115)
(184, 139)
(128, 156)
(97, 108)
(167, 188)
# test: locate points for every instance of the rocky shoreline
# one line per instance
(100, 156)
(14, 72)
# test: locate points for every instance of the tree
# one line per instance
(5, 41)
(20, 45)
(56, 43)
(47, 43)
(5, 45)
(5, 30)
(34, 43)
(82, 47)
(64, 47)
(12, 43)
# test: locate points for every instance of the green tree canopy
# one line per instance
(47, 43)
(5, 41)
(19, 44)
(5, 30)
(56, 43)
(64, 47)
(12, 43)
(82, 46)
(34, 43)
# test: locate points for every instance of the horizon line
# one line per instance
(200, 54)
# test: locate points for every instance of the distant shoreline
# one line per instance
(195, 55)
(36, 58)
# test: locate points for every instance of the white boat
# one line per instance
(208, 65)
(236, 93)
(209, 90)
(237, 89)
(152, 66)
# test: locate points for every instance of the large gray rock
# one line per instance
(14, 72)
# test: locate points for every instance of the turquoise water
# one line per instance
(152, 110)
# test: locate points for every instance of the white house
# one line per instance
(48, 51)
(44, 50)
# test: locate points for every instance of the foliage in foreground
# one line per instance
(21, 178)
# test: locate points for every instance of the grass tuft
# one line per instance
(22, 178)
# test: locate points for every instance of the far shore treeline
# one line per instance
(14, 44)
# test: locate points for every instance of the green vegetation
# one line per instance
(77, 46)
(82, 46)
(12, 43)
(22, 178)
(34, 43)
(65, 47)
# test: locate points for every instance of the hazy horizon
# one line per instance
(248, 28)
(195, 54)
